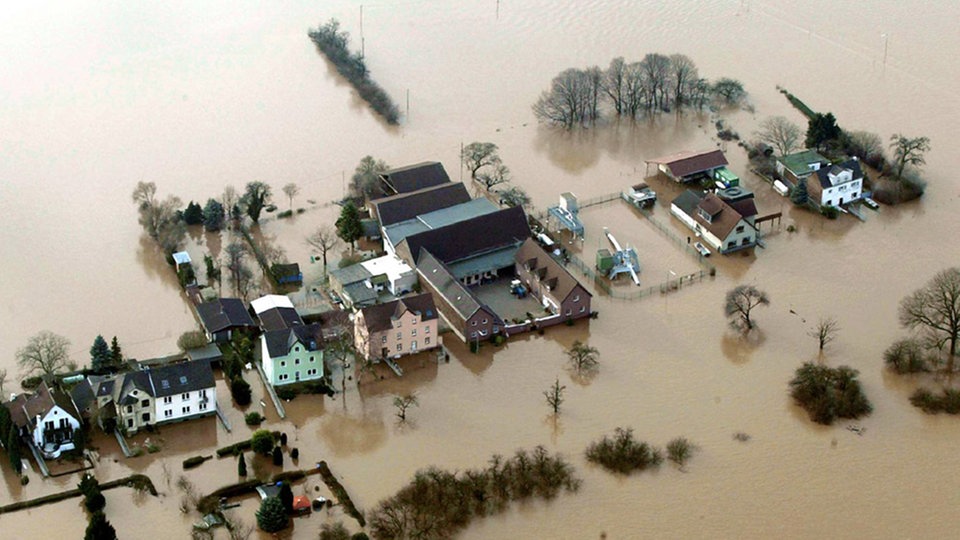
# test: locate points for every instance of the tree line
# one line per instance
(656, 83)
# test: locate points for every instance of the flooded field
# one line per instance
(195, 97)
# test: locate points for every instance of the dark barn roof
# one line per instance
(471, 237)
(414, 177)
(406, 206)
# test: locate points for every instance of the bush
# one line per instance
(272, 517)
(262, 442)
(622, 453)
(829, 393)
(240, 391)
(99, 528)
(295, 453)
(930, 403)
(95, 502)
(193, 339)
(195, 461)
(277, 456)
(286, 393)
(680, 450)
(284, 214)
(360, 536)
(906, 356)
(286, 496)
(253, 419)
(334, 531)
(830, 212)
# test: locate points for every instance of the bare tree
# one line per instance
(497, 174)
(236, 254)
(477, 155)
(635, 92)
(160, 219)
(145, 194)
(514, 196)
(780, 133)
(366, 177)
(45, 354)
(740, 302)
(614, 84)
(656, 75)
(825, 331)
(907, 151)
(554, 396)
(323, 239)
(583, 358)
(866, 146)
(291, 190)
(402, 403)
(567, 103)
(934, 309)
(684, 75)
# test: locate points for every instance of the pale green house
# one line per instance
(290, 350)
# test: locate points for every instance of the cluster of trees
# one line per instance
(103, 356)
(237, 354)
(10, 437)
(623, 454)
(486, 168)
(334, 44)
(93, 500)
(656, 83)
(829, 393)
(438, 503)
(365, 181)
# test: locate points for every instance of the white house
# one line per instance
(836, 185)
(49, 417)
(726, 224)
(168, 393)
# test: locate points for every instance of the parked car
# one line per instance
(871, 204)
(702, 249)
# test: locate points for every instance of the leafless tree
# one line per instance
(366, 177)
(497, 174)
(160, 219)
(866, 146)
(635, 91)
(684, 75)
(780, 133)
(656, 76)
(739, 304)
(478, 155)
(236, 255)
(402, 403)
(554, 396)
(583, 358)
(291, 190)
(825, 331)
(614, 84)
(934, 309)
(908, 151)
(323, 239)
(145, 194)
(45, 354)
(567, 103)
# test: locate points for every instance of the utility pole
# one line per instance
(408, 105)
(362, 52)
(461, 161)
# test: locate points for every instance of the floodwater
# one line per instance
(96, 97)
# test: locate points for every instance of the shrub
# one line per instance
(680, 450)
(295, 453)
(193, 339)
(360, 536)
(253, 419)
(284, 214)
(277, 456)
(906, 356)
(829, 393)
(930, 403)
(195, 461)
(240, 391)
(286, 393)
(286, 496)
(95, 502)
(262, 442)
(622, 453)
(272, 517)
(99, 528)
(830, 212)
(334, 531)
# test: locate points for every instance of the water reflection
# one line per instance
(738, 347)
(346, 435)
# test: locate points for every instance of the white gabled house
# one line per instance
(836, 185)
(724, 220)
(48, 418)
(290, 351)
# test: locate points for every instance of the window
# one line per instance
(484, 321)
(483, 332)
(283, 377)
(383, 339)
(399, 347)
(829, 202)
(731, 244)
(48, 424)
(473, 334)
(185, 410)
(129, 408)
(426, 341)
(146, 417)
(399, 335)
(311, 372)
(569, 312)
(413, 345)
(283, 364)
(168, 400)
(184, 397)
(296, 362)
(129, 422)
(413, 333)
(740, 229)
(496, 329)
(203, 406)
(168, 413)
(203, 393)
(474, 323)
(145, 403)
(414, 319)
(296, 375)
(583, 308)
(426, 329)
(296, 348)
(311, 359)
(576, 298)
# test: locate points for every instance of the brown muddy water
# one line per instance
(96, 97)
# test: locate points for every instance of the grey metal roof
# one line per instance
(359, 293)
(279, 342)
(278, 318)
(350, 274)
(453, 293)
(688, 201)
(487, 262)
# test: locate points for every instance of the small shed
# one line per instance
(287, 273)
(301, 504)
(181, 258)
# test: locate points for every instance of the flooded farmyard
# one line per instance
(197, 97)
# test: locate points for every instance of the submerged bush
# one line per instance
(829, 393)
(948, 401)
(622, 453)
(438, 503)
(680, 450)
(906, 356)
(253, 419)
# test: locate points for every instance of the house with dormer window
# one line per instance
(290, 351)
(724, 220)
(836, 185)
(48, 419)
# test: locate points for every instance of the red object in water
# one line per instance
(301, 504)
